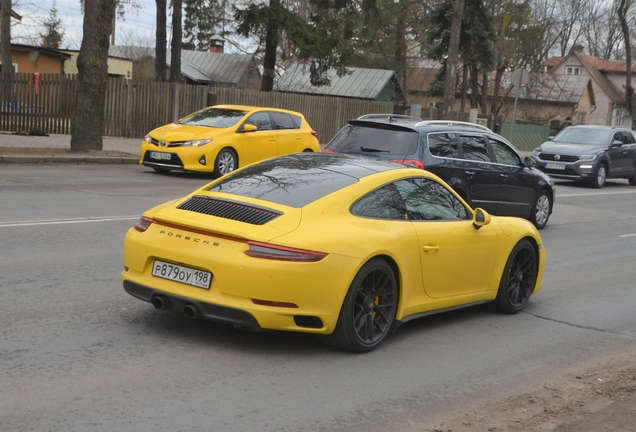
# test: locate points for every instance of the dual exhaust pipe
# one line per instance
(164, 303)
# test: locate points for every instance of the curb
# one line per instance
(68, 159)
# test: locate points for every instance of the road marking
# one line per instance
(627, 235)
(66, 221)
(595, 193)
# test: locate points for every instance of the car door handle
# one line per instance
(504, 176)
(470, 173)
(430, 248)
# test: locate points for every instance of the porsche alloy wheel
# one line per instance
(368, 310)
(225, 162)
(518, 279)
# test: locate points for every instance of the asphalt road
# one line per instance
(77, 353)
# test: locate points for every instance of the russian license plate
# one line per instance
(557, 166)
(160, 156)
(182, 274)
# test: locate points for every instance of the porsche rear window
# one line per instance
(298, 179)
(291, 181)
(375, 138)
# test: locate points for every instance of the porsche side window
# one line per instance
(260, 119)
(382, 203)
(475, 148)
(443, 145)
(504, 154)
(428, 200)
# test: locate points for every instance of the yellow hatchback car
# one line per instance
(221, 138)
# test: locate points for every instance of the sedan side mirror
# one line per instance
(616, 144)
(480, 218)
(248, 127)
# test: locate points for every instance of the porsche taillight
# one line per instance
(282, 253)
(143, 223)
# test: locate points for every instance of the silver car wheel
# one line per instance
(226, 162)
(542, 210)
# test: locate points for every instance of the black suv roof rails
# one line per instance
(389, 117)
(451, 123)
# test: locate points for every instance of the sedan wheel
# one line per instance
(518, 279)
(368, 310)
(541, 210)
(225, 163)
(601, 175)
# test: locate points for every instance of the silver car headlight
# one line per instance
(587, 157)
(197, 143)
(536, 152)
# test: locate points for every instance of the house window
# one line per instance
(580, 118)
(617, 117)
(573, 71)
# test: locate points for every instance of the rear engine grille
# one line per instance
(229, 210)
(562, 158)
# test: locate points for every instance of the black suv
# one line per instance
(590, 153)
(482, 167)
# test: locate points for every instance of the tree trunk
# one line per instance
(175, 54)
(474, 86)
(462, 105)
(160, 42)
(484, 93)
(271, 44)
(5, 47)
(87, 127)
(451, 60)
(400, 44)
(630, 99)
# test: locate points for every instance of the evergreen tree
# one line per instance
(53, 34)
(323, 37)
(203, 19)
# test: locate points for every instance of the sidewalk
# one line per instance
(127, 149)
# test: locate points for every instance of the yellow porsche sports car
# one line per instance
(221, 138)
(343, 246)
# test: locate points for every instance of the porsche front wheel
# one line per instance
(518, 279)
(368, 310)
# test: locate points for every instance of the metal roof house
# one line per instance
(212, 67)
(359, 83)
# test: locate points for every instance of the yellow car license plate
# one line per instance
(160, 156)
(182, 274)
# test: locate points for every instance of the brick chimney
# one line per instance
(216, 44)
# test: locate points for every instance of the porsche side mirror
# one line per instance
(480, 218)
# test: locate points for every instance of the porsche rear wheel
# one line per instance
(518, 279)
(368, 310)
(225, 162)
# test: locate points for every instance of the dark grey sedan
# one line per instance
(590, 153)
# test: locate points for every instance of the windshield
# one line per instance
(214, 117)
(583, 136)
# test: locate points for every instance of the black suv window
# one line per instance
(426, 199)
(282, 121)
(443, 145)
(382, 203)
(503, 153)
(375, 138)
(475, 148)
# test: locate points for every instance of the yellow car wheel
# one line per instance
(226, 162)
(368, 310)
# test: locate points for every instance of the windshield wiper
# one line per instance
(372, 150)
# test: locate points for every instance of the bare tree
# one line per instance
(630, 99)
(177, 34)
(160, 41)
(5, 47)
(87, 126)
(453, 54)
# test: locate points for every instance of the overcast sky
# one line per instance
(136, 28)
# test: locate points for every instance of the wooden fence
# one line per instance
(132, 109)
